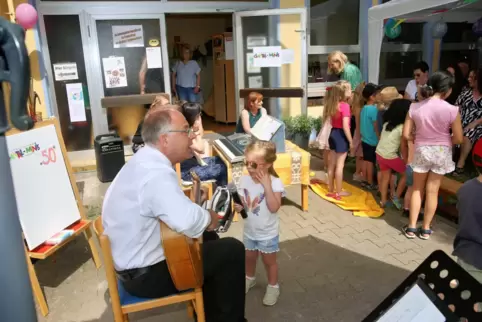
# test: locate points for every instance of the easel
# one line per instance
(82, 226)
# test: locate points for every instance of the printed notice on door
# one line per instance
(75, 99)
(128, 36)
(114, 72)
(65, 71)
(269, 56)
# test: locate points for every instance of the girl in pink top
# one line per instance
(340, 139)
(432, 118)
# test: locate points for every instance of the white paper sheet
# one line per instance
(128, 36)
(65, 71)
(75, 99)
(269, 56)
(265, 128)
(250, 68)
(229, 48)
(287, 56)
(256, 41)
(414, 306)
(114, 72)
(255, 81)
(153, 57)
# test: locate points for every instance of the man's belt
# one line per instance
(131, 274)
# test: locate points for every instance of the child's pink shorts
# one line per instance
(397, 164)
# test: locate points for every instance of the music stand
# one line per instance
(454, 287)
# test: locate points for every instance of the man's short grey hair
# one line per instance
(156, 123)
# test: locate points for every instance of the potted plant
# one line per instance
(302, 125)
(317, 122)
(288, 121)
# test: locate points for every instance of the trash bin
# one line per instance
(109, 156)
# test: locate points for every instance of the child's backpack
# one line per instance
(221, 203)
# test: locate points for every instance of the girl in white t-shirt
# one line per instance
(261, 192)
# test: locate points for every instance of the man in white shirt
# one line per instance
(147, 190)
(420, 78)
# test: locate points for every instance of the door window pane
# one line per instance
(334, 22)
(146, 33)
(398, 64)
(318, 67)
(459, 32)
(65, 46)
(448, 57)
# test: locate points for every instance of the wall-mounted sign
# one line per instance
(128, 36)
(269, 56)
(65, 71)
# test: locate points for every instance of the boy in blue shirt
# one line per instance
(468, 240)
(369, 133)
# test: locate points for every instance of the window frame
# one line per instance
(314, 89)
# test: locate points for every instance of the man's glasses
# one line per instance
(188, 131)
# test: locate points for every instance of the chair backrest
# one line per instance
(108, 262)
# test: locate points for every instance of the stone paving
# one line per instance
(333, 266)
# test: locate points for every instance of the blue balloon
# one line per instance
(390, 31)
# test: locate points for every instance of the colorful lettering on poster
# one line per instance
(24, 151)
(266, 55)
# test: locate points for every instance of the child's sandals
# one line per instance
(333, 195)
(410, 233)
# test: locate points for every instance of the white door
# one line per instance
(284, 29)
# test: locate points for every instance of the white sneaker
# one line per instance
(249, 284)
(271, 296)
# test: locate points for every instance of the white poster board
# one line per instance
(75, 99)
(114, 72)
(45, 199)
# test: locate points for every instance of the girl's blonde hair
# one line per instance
(358, 100)
(252, 98)
(345, 85)
(267, 149)
(386, 96)
(334, 95)
(337, 56)
(160, 100)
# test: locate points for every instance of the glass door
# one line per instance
(271, 58)
(129, 58)
(68, 78)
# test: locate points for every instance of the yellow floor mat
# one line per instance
(360, 202)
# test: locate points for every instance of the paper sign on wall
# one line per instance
(255, 81)
(256, 41)
(128, 36)
(153, 57)
(114, 72)
(229, 48)
(250, 68)
(269, 56)
(287, 56)
(75, 99)
(65, 71)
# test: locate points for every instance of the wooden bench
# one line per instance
(448, 190)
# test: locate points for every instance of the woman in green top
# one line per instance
(338, 64)
(253, 111)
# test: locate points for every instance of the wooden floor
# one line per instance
(209, 124)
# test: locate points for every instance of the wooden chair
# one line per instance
(123, 303)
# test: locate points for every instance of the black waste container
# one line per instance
(109, 155)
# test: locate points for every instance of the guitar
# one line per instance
(183, 254)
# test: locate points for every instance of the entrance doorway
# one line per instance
(210, 39)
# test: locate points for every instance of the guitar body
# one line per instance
(183, 254)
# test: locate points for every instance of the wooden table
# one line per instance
(293, 167)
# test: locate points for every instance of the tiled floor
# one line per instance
(333, 266)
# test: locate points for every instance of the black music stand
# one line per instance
(455, 288)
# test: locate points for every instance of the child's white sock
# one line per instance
(274, 286)
(250, 278)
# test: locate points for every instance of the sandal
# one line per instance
(425, 234)
(333, 195)
(458, 171)
(410, 233)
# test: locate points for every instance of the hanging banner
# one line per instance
(269, 56)
(114, 72)
(128, 36)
